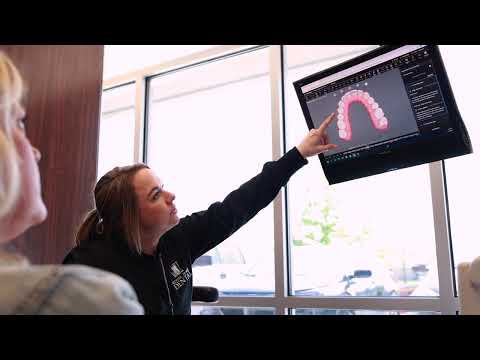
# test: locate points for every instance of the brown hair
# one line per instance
(116, 213)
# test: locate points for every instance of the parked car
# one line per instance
(428, 285)
(318, 272)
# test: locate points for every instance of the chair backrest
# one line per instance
(205, 294)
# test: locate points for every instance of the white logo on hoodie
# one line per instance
(175, 269)
(181, 276)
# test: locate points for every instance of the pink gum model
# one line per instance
(375, 112)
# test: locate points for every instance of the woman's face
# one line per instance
(158, 213)
(29, 209)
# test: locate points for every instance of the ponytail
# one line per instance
(116, 214)
(87, 230)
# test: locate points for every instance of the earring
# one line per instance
(99, 227)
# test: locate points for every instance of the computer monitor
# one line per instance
(394, 108)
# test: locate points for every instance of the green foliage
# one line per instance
(319, 224)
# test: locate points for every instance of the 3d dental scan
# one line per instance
(394, 108)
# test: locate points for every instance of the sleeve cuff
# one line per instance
(293, 160)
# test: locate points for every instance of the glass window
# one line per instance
(230, 310)
(209, 132)
(369, 237)
(463, 174)
(117, 128)
(321, 311)
(122, 59)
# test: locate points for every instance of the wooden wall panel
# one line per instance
(63, 111)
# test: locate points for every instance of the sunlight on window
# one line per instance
(122, 59)
(117, 128)
(369, 237)
(209, 132)
(463, 174)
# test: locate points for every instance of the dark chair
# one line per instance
(205, 294)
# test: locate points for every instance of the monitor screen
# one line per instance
(394, 108)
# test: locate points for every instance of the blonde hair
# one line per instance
(11, 91)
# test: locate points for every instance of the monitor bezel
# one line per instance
(424, 154)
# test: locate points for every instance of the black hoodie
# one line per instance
(192, 237)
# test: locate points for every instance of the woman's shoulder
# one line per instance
(65, 289)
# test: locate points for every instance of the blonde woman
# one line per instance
(49, 289)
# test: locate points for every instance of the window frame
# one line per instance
(445, 303)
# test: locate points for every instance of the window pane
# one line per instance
(368, 237)
(209, 132)
(320, 311)
(117, 128)
(463, 174)
(122, 59)
(231, 310)
(301, 55)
